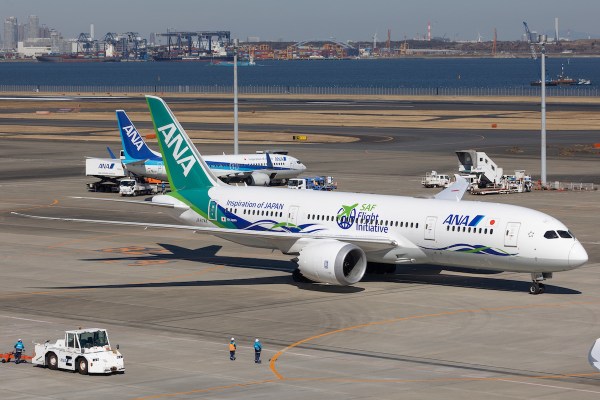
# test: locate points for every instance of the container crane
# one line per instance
(531, 40)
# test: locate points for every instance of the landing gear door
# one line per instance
(212, 210)
(511, 234)
(293, 215)
(430, 228)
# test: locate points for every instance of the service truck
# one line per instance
(108, 170)
(313, 183)
(434, 180)
(87, 351)
(135, 186)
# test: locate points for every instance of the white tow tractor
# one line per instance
(86, 351)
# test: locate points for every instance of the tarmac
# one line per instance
(172, 300)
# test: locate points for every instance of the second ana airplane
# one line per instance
(334, 235)
(259, 169)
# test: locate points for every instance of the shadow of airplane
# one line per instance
(418, 274)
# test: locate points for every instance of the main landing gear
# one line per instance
(537, 287)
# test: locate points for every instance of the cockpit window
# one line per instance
(298, 161)
(551, 235)
(564, 234)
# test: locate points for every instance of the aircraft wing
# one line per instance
(455, 191)
(285, 241)
(231, 173)
(143, 202)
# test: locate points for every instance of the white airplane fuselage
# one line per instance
(283, 167)
(470, 234)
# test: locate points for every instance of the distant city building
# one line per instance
(10, 33)
(252, 39)
(22, 30)
(34, 47)
(33, 30)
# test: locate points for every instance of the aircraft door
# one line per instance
(212, 210)
(293, 215)
(511, 234)
(430, 228)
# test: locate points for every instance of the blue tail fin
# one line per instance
(269, 162)
(134, 146)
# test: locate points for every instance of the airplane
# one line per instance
(334, 235)
(258, 169)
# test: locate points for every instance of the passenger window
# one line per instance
(551, 235)
(491, 231)
(564, 234)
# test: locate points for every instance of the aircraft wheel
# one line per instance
(52, 361)
(82, 366)
(536, 288)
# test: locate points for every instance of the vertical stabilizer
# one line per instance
(185, 167)
(134, 146)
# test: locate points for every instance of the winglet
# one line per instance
(455, 191)
(134, 146)
(110, 153)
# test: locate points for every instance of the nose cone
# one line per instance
(577, 256)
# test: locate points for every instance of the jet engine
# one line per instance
(258, 179)
(333, 262)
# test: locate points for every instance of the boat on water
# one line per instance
(76, 58)
(242, 63)
(563, 80)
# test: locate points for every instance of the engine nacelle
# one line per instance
(258, 179)
(333, 262)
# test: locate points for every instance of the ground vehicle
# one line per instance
(108, 170)
(433, 180)
(313, 183)
(134, 186)
(87, 351)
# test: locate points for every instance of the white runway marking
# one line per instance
(549, 386)
(26, 319)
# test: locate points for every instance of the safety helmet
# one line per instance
(232, 339)
(20, 340)
(256, 340)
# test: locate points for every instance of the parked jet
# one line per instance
(333, 235)
(258, 169)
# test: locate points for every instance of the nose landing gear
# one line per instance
(537, 287)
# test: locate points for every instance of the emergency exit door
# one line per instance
(511, 234)
(430, 228)
(212, 210)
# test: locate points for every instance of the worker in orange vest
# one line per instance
(232, 348)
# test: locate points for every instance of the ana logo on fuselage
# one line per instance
(187, 162)
(466, 220)
(134, 136)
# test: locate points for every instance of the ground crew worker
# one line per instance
(19, 348)
(257, 350)
(163, 188)
(232, 348)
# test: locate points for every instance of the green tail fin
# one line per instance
(185, 167)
